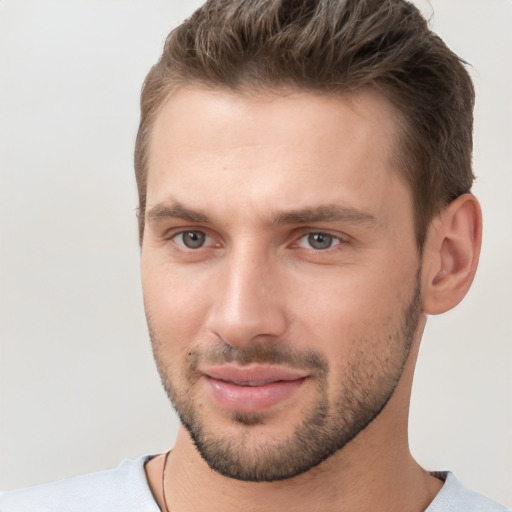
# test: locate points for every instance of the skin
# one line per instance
(236, 160)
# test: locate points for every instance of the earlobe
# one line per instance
(451, 254)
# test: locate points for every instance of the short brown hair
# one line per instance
(337, 47)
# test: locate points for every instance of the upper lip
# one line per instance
(253, 373)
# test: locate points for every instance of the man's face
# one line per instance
(280, 272)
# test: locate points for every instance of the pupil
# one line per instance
(320, 240)
(193, 239)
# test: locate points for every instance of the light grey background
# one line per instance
(78, 391)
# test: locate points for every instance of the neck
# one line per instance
(375, 482)
(375, 471)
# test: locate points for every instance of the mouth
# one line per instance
(253, 388)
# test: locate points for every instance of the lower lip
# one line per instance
(251, 398)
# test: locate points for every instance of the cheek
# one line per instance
(342, 298)
(176, 304)
(346, 314)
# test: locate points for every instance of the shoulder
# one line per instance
(122, 489)
(454, 497)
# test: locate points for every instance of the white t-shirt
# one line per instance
(125, 489)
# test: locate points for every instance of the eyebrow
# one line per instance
(324, 213)
(175, 210)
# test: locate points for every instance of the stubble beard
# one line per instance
(365, 388)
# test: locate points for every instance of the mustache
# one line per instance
(261, 353)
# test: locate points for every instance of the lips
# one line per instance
(253, 388)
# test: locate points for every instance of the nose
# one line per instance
(249, 303)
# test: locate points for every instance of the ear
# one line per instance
(450, 255)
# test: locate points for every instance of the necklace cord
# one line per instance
(166, 509)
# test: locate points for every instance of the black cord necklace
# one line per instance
(166, 509)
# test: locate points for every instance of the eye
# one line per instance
(191, 239)
(318, 241)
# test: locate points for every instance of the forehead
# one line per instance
(250, 110)
(280, 145)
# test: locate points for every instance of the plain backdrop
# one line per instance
(78, 390)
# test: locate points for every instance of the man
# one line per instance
(304, 176)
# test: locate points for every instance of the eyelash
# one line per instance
(175, 237)
(333, 240)
(336, 240)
